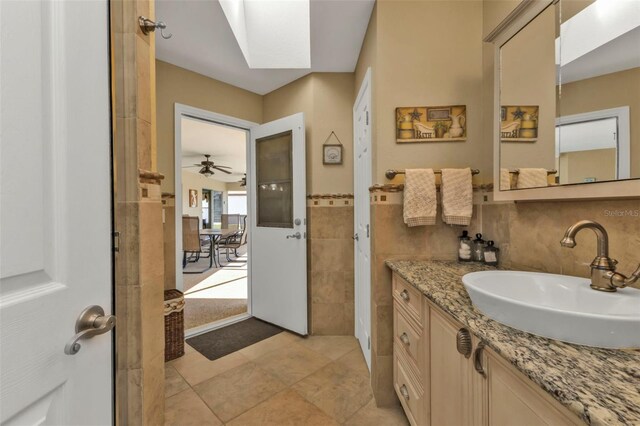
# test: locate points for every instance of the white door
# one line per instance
(278, 224)
(362, 242)
(55, 211)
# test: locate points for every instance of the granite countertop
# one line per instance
(601, 386)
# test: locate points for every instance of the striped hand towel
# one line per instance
(420, 202)
(532, 178)
(457, 196)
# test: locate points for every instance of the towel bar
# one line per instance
(549, 172)
(390, 174)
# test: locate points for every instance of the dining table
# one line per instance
(215, 235)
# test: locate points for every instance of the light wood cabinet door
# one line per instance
(514, 399)
(451, 375)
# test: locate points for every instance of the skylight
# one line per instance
(271, 33)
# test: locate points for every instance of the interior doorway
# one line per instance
(211, 233)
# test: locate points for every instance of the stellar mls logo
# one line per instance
(622, 213)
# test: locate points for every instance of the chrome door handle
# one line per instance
(297, 236)
(91, 322)
(355, 237)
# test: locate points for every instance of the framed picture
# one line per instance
(332, 154)
(193, 198)
(503, 113)
(446, 123)
(438, 114)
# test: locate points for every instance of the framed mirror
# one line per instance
(567, 100)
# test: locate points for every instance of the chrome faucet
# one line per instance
(603, 269)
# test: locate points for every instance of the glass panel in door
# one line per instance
(274, 172)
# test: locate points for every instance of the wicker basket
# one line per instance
(173, 324)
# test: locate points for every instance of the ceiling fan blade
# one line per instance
(222, 170)
(224, 167)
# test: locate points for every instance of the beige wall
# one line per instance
(576, 166)
(528, 77)
(429, 53)
(327, 102)
(608, 91)
(199, 182)
(178, 85)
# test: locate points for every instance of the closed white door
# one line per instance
(362, 242)
(55, 211)
(278, 223)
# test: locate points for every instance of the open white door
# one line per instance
(55, 211)
(362, 242)
(278, 224)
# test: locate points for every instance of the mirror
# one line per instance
(570, 96)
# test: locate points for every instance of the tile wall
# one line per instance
(330, 264)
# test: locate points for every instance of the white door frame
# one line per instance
(180, 111)
(623, 150)
(364, 95)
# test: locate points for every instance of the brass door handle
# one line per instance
(477, 360)
(405, 295)
(463, 342)
(405, 339)
(91, 322)
(404, 392)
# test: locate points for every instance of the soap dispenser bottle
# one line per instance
(491, 254)
(464, 247)
(478, 249)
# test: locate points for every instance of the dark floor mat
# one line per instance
(223, 341)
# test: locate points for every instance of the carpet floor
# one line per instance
(216, 294)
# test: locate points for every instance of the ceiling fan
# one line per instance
(208, 166)
(243, 181)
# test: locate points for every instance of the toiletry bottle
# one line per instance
(491, 254)
(464, 247)
(477, 251)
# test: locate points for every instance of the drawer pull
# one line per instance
(405, 339)
(477, 360)
(404, 392)
(405, 295)
(463, 342)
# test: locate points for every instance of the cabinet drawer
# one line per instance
(408, 338)
(408, 297)
(409, 392)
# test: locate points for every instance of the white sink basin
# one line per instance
(558, 306)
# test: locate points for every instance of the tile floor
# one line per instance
(283, 380)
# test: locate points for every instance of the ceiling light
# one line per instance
(271, 33)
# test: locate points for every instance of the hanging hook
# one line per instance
(147, 26)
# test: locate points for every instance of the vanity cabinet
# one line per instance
(443, 375)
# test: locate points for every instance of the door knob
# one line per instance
(355, 237)
(297, 236)
(91, 322)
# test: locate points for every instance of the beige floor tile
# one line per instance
(337, 389)
(187, 409)
(330, 346)
(188, 349)
(355, 360)
(232, 393)
(280, 340)
(372, 415)
(292, 363)
(196, 368)
(284, 408)
(173, 382)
